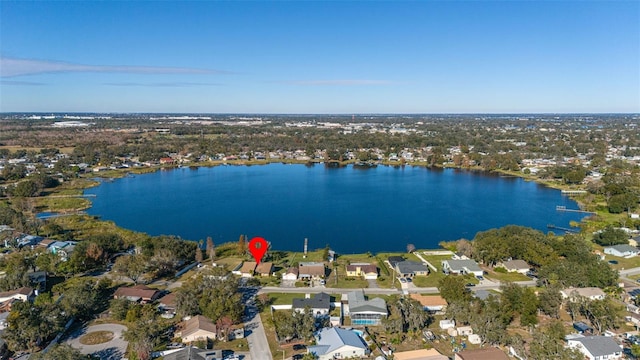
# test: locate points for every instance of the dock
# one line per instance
(551, 226)
(564, 208)
(573, 192)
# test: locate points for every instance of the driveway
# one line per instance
(257, 339)
(111, 350)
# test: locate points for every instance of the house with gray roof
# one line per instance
(410, 269)
(623, 250)
(336, 343)
(365, 312)
(319, 304)
(519, 266)
(192, 353)
(461, 267)
(596, 347)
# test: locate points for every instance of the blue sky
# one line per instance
(320, 57)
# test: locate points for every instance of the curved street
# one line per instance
(111, 350)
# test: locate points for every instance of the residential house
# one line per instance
(366, 270)
(248, 268)
(336, 343)
(519, 266)
(365, 312)
(461, 267)
(28, 240)
(319, 304)
(410, 269)
(432, 303)
(138, 293)
(311, 271)
(38, 279)
(582, 328)
(596, 347)
(22, 294)
(490, 353)
(290, 274)
(167, 304)
(63, 249)
(447, 324)
(623, 250)
(422, 354)
(264, 268)
(192, 353)
(393, 260)
(197, 328)
(464, 330)
(591, 293)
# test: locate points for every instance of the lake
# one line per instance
(353, 210)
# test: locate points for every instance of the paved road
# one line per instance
(112, 350)
(256, 337)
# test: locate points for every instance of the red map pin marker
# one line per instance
(258, 247)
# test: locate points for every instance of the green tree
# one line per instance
(611, 236)
(60, 352)
(26, 188)
(453, 289)
(131, 266)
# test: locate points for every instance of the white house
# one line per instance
(291, 274)
(623, 250)
(591, 293)
(319, 305)
(596, 347)
(462, 267)
(335, 343)
(447, 324)
(519, 266)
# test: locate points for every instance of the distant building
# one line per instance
(490, 353)
(138, 293)
(291, 274)
(366, 270)
(431, 303)
(311, 271)
(319, 304)
(623, 250)
(410, 269)
(265, 268)
(365, 312)
(248, 268)
(197, 328)
(461, 267)
(423, 354)
(335, 343)
(591, 293)
(596, 347)
(519, 266)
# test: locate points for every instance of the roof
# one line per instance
(27, 291)
(138, 291)
(516, 265)
(197, 323)
(319, 301)
(457, 265)
(393, 260)
(192, 353)
(264, 268)
(483, 354)
(423, 354)
(586, 292)
(311, 269)
(357, 303)
(623, 248)
(248, 267)
(429, 300)
(365, 268)
(407, 266)
(599, 345)
(331, 339)
(168, 300)
(292, 270)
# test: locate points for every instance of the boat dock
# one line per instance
(551, 226)
(564, 208)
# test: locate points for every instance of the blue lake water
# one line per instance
(351, 209)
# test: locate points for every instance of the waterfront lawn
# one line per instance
(61, 204)
(509, 276)
(430, 280)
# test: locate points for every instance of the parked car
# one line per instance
(403, 280)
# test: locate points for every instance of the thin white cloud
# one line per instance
(21, 83)
(10, 67)
(162, 84)
(338, 82)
